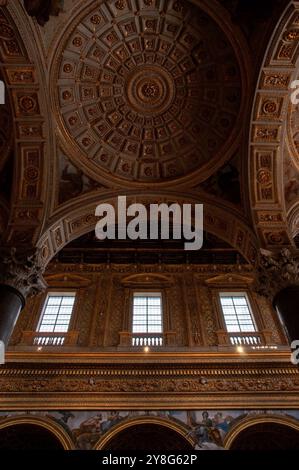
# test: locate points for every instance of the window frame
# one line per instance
(60, 293)
(243, 293)
(147, 293)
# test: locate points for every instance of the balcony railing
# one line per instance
(141, 340)
(245, 339)
(35, 338)
(254, 339)
(144, 339)
(46, 340)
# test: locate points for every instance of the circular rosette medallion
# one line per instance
(149, 90)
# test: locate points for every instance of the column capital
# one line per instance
(22, 270)
(276, 272)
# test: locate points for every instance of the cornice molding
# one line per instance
(216, 371)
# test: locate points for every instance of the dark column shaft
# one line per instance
(287, 306)
(11, 303)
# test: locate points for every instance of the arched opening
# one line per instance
(88, 249)
(28, 437)
(267, 436)
(145, 437)
(27, 432)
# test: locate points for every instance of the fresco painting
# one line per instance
(207, 428)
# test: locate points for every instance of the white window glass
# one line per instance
(147, 313)
(237, 313)
(57, 313)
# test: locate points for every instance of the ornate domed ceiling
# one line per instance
(146, 91)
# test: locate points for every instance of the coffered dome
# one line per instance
(146, 91)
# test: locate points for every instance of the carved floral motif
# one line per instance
(276, 272)
(75, 384)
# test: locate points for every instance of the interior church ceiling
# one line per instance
(159, 100)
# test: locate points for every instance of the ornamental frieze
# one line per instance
(150, 385)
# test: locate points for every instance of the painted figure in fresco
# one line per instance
(71, 183)
(222, 424)
(206, 432)
(89, 432)
(65, 416)
(43, 9)
(112, 419)
(92, 424)
(203, 431)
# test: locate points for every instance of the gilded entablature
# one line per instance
(119, 384)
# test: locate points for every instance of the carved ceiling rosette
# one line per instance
(22, 271)
(147, 92)
(276, 272)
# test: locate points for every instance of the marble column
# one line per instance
(278, 280)
(21, 275)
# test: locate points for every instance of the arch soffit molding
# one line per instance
(23, 74)
(269, 132)
(72, 224)
(293, 219)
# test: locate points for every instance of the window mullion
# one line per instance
(147, 314)
(58, 313)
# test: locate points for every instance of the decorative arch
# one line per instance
(166, 423)
(253, 420)
(58, 431)
(80, 219)
(269, 132)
